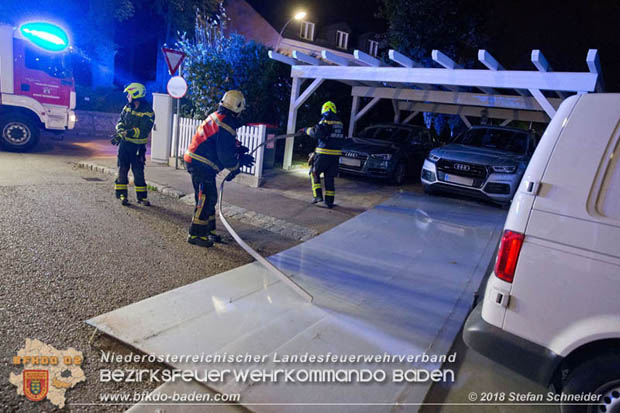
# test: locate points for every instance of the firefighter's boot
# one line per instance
(213, 237)
(201, 241)
(124, 200)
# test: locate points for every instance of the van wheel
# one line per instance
(600, 376)
(18, 133)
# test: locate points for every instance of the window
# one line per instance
(342, 39)
(373, 47)
(499, 139)
(386, 133)
(608, 203)
(55, 65)
(307, 31)
(421, 137)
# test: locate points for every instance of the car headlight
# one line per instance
(504, 169)
(383, 156)
(433, 158)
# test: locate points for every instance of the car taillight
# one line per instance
(508, 255)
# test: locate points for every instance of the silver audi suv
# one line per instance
(485, 162)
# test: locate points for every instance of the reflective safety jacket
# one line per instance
(329, 133)
(136, 122)
(214, 145)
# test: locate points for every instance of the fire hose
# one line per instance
(263, 261)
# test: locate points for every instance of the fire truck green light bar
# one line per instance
(47, 36)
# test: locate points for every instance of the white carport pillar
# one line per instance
(465, 120)
(411, 116)
(354, 106)
(355, 115)
(291, 124)
(296, 101)
(396, 110)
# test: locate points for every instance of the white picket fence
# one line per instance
(250, 136)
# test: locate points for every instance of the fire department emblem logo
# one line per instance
(36, 384)
(47, 373)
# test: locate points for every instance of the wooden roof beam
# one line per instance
(489, 61)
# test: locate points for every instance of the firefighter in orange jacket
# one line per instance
(214, 147)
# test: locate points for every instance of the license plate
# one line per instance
(458, 180)
(350, 162)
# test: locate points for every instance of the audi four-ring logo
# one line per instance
(461, 167)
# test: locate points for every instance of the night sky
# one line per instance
(563, 29)
(359, 14)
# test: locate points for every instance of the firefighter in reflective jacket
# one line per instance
(214, 147)
(132, 132)
(329, 133)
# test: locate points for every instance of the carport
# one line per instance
(493, 92)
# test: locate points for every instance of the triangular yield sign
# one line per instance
(173, 59)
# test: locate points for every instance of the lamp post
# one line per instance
(298, 16)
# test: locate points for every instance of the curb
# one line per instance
(269, 223)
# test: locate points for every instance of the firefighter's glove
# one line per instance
(116, 140)
(246, 160)
(242, 149)
(233, 174)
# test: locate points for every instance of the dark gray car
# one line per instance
(392, 151)
(485, 162)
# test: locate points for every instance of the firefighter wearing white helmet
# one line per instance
(214, 147)
(132, 132)
(234, 101)
(329, 133)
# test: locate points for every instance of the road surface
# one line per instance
(69, 251)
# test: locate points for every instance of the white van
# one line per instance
(551, 309)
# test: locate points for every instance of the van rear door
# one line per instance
(567, 283)
(497, 296)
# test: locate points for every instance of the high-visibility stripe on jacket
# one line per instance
(329, 133)
(214, 146)
(323, 151)
(136, 123)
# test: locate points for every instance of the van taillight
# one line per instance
(508, 255)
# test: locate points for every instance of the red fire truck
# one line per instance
(36, 83)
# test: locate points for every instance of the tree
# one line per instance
(216, 63)
(162, 20)
(416, 27)
(455, 27)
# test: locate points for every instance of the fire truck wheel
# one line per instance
(18, 133)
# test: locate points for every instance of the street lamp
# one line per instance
(298, 16)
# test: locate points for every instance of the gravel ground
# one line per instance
(69, 251)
